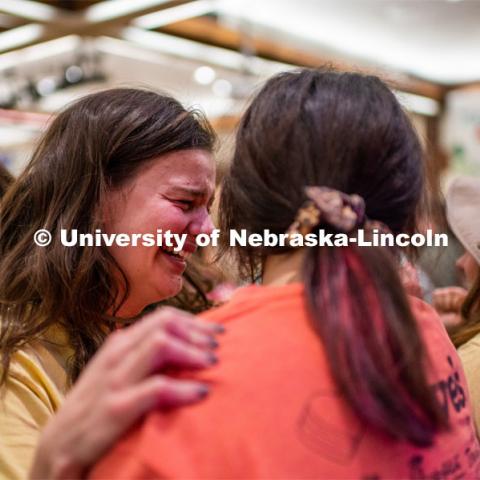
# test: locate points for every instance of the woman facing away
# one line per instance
(463, 202)
(120, 161)
(327, 369)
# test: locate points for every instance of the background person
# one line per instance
(327, 370)
(463, 202)
(122, 161)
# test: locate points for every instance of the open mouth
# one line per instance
(181, 255)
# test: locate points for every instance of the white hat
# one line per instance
(463, 213)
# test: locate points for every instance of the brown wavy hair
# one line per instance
(6, 179)
(470, 311)
(94, 145)
(348, 132)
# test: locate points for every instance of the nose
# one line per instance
(202, 223)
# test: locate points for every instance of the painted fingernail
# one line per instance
(203, 391)
(213, 343)
(212, 359)
(219, 328)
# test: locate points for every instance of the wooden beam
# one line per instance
(66, 23)
(225, 123)
(209, 31)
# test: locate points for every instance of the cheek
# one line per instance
(473, 267)
(171, 218)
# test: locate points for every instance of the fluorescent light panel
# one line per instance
(39, 51)
(418, 103)
(103, 11)
(20, 36)
(175, 14)
(35, 11)
(200, 52)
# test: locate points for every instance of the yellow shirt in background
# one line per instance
(35, 388)
(469, 354)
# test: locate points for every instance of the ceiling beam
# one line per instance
(208, 31)
(51, 23)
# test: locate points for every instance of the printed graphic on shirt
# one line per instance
(319, 432)
(323, 429)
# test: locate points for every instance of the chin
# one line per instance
(172, 288)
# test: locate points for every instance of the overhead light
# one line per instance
(36, 11)
(103, 11)
(7, 96)
(418, 103)
(222, 88)
(175, 14)
(204, 75)
(73, 74)
(39, 51)
(181, 47)
(46, 86)
(20, 36)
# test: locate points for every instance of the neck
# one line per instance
(283, 269)
(130, 308)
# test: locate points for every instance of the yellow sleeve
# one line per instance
(27, 401)
(469, 354)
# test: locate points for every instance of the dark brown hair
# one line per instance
(470, 325)
(6, 179)
(94, 145)
(348, 132)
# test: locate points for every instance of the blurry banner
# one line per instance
(461, 131)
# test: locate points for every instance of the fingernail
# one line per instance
(212, 359)
(203, 391)
(213, 343)
(219, 328)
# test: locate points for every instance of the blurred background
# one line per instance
(214, 54)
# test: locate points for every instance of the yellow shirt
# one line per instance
(35, 388)
(469, 354)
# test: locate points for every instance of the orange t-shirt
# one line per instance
(274, 411)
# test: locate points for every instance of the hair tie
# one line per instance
(337, 209)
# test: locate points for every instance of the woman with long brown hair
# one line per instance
(328, 369)
(6, 180)
(122, 161)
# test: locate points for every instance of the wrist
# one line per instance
(52, 462)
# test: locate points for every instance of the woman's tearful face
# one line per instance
(173, 193)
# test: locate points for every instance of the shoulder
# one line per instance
(28, 399)
(429, 322)
(469, 353)
(29, 382)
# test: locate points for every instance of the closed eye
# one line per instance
(185, 203)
